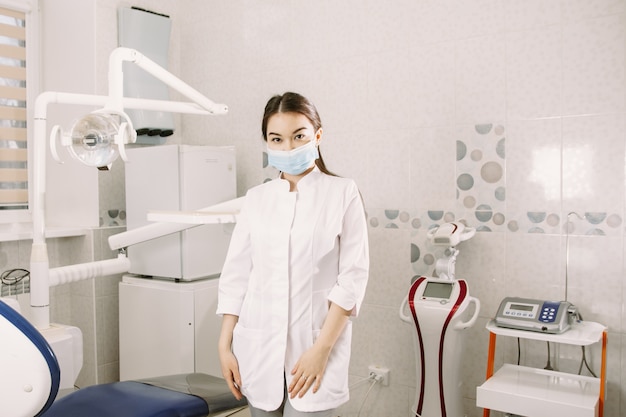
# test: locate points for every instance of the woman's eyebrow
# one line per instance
(294, 132)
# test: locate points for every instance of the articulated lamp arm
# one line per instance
(39, 265)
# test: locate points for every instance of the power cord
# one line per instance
(375, 379)
(14, 276)
(583, 359)
(548, 365)
(10, 279)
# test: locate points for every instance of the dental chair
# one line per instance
(30, 377)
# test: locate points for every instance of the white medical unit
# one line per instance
(179, 178)
(438, 310)
(168, 328)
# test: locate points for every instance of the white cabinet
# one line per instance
(542, 393)
(173, 178)
(168, 327)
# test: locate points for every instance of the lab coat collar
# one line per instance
(306, 181)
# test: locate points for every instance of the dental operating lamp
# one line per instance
(99, 148)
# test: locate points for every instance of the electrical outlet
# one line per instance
(381, 373)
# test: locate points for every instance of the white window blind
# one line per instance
(13, 113)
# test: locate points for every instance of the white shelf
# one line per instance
(192, 217)
(539, 392)
(583, 333)
(24, 231)
(225, 212)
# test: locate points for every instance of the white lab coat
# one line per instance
(291, 254)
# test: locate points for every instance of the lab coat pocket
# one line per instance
(320, 307)
(335, 380)
(247, 344)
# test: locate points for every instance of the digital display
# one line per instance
(438, 290)
(522, 307)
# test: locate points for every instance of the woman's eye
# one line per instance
(275, 139)
(299, 137)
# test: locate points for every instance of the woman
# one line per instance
(296, 270)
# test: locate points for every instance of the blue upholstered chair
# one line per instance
(30, 377)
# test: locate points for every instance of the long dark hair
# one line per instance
(294, 103)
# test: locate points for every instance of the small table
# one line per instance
(537, 392)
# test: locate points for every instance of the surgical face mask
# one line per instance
(295, 161)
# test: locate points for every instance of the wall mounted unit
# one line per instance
(179, 177)
(149, 33)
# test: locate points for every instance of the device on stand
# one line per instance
(536, 315)
(449, 235)
(438, 309)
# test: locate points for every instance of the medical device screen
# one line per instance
(523, 307)
(438, 290)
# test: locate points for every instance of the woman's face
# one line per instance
(287, 131)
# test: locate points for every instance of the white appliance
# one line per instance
(168, 328)
(179, 177)
(438, 309)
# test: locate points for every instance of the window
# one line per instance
(16, 92)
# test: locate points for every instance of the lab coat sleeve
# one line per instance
(349, 290)
(237, 266)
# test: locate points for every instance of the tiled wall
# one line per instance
(508, 114)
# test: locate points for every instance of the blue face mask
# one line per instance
(295, 161)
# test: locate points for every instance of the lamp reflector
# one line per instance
(93, 139)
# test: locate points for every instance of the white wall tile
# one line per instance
(390, 273)
(593, 66)
(479, 18)
(404, 25)
(593, 163)
(534, 80)
(533, 160)
(433, 174)
(431, 84)
(531, 14)
(347, 154)
(591, 277)
(390, 91)
(587, 9)
(533, 266)
(388, 175)
(480, 80)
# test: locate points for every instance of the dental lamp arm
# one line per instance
(39, 264)
(116, 84)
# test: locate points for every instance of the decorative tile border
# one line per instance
(585, 224)
(424, 255)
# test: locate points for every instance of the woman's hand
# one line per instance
(308, 371)
(228, 361)
(310, 368)
(230, 371)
